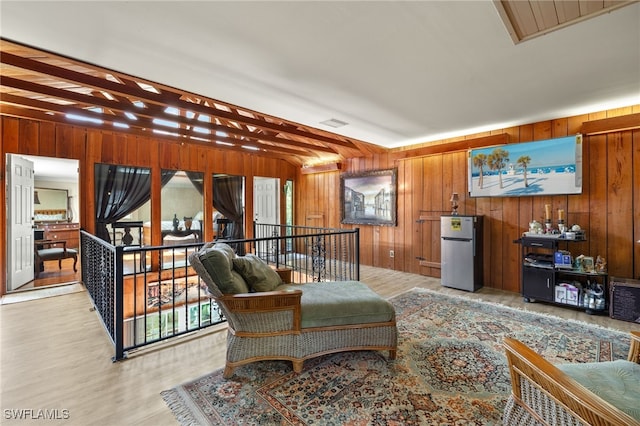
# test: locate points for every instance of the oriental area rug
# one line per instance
(450, 370)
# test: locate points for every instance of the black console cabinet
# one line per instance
(541, 279)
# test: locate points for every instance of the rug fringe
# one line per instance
(182, 408)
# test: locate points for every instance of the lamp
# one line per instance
(36, 200)
(454, 203)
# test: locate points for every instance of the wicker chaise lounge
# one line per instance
(602, 393)
(280, 321)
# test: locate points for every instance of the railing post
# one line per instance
(357, 262)
(118, 329)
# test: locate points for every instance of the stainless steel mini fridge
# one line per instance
(461, 252)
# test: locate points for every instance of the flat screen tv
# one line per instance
(547, 167)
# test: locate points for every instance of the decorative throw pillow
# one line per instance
(219, 265)
(258, 275)
(227, 249)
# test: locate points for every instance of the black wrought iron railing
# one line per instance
(145, 295)
(314, 254)
(149, 294)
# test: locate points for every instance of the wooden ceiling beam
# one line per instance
(297, 158)
(165, 96)
(124, 105)
(140, 125)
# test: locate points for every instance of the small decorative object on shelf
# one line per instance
(561, 226)
(588, 264)
(535, 227)
(176, 222)
(454, 203)
(548, 227)
(601, 264)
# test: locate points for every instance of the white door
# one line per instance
(19, 221)
(266, 201)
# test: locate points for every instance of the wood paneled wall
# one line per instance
(608, 209)
(90, 146)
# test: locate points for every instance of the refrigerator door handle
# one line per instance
(474, 241)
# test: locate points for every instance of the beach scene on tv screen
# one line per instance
(552, 166)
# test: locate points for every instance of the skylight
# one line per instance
(147, 87)
(83, 118)
(163, 122)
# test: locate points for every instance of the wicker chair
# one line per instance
(545, 394)
(270, 325)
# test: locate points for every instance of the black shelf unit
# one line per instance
(540, 275)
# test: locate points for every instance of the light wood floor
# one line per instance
(55, 354)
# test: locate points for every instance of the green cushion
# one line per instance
(219, 264)
(225, 248)
(617, 382)
(341, 303)
(258, 275)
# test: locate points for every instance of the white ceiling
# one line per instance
(398, 72)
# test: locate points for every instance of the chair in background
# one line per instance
(126, 239)
(599, 393)
(46, 250)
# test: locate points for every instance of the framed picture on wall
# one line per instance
(545, 167)
(369, 198)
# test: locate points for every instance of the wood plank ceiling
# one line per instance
(527, 19)
(44, 86)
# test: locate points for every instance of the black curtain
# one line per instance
(228, 199)
(197, 181)
(121, 190)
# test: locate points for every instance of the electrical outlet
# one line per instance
(391, 253)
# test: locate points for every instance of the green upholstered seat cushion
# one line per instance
(218, 261)
(258, 275)
(334, 303)
(617, 382)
